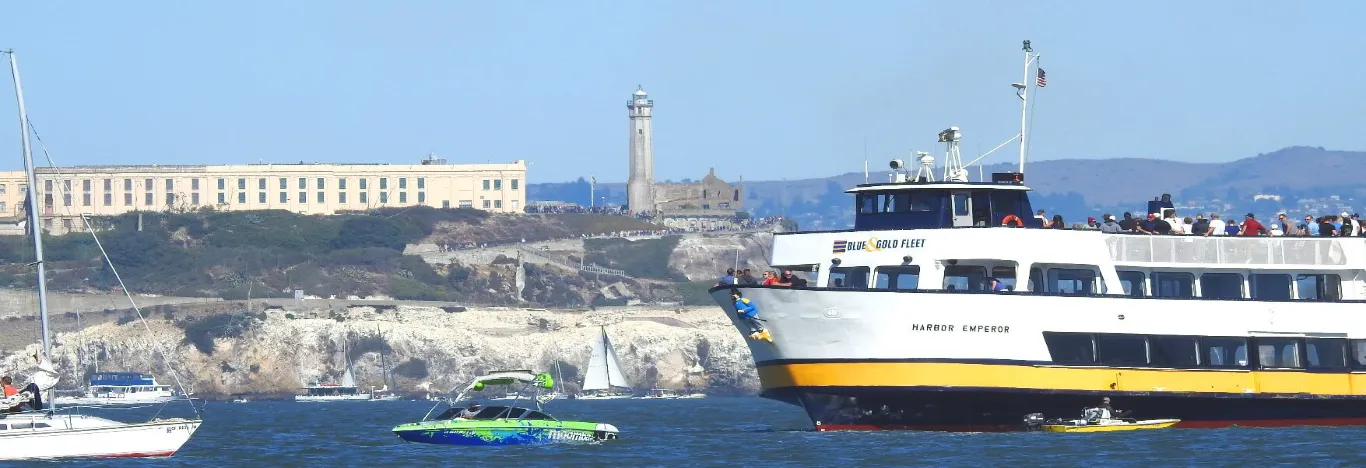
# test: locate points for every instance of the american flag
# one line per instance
(1042, 82)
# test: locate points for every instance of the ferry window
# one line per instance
(924, 200)
(1221, 285)
(867, 203)
(848, 277)
(1071, 281)
(1358, 360)
(895, 202)
(898, 277)
(1130, 350)
(1223, 352)
(1270, 286)
(1281, 353)
(965, 278)
(1325, 353)
(1006, 274)
(1173, 284)
(1319, 287)
(1035, 280)
(1070, 348)
(960, 204)
(1174, 351)
(1133, 284)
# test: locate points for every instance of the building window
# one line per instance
(341, 183)
(128, 185)
(421, 197)
(108, 199)
(303, 183)
(445, 203)
(241, 184)
(127, 199)
(487, 204)
(403, 196)
(515, 204)
(364, 198)
(303, 197)
(261, 197)
(320, 198)
(364, 184)
(341, 197)
(170, 199)
(284, 183)
(284, 197)
(85, 199)
(421, 183)
(4, 207)
(194, 198)
(261, 183)
(383, 196)
(322, 183)
(66, 185)
(2, 189)
(466, 203)
(498, 204)
(66, 199)
(486, 184)
(66, 224)
(85, 185)
(47, 185)
(194, 184)
(514, 183)
(170, 184)
(402, 183)
(222, 198)
(222, 183)
(47, 224)
(498, 184)
(147, 184)
(384, 183)
(242, 197)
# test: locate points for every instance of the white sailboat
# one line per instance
(604, 380)
(42, 432)
(326, 392)
(385, 393)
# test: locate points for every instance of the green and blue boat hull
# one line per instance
(504, 432)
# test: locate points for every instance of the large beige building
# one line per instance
(66, 193)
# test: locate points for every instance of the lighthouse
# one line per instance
(640, 182)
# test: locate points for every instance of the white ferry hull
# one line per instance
(604, 397)
(331, 398)
(937, 360)
(113, 401)
(93, 438)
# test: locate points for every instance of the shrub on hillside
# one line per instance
(644, 258)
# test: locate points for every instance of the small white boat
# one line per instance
(329, 392)
(604, 396)
(658, 394)
(604, 380)
(120, 389)
(383, 394)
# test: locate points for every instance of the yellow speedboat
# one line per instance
(1107, 425)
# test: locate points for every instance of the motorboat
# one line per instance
(667, 394)
(346, 390)
(1094, 420)
(121, 389)
(383, 394)
(501, 425)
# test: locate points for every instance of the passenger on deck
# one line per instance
(1057, 223)
(1253, 228)
(995, 284)
(770, 278)
(728, 280)
(1110, 226)
(1160, 226)
(1128, 224)
(1216, 226)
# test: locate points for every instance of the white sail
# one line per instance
(615, 378)
(604, 371)
(348, 380)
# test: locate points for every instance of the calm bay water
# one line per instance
(717, 432)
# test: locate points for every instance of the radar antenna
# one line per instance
(926, 172)
(953, 160)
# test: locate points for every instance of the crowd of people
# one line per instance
(1343, 225)
(745, 277)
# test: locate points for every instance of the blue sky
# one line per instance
(767, 90)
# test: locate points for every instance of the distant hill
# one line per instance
(1077, 188)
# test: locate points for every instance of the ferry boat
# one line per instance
(329, 392)
(898, 328)
(120, 389)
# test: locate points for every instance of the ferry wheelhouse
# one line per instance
(898, 328)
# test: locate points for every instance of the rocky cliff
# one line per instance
(279, 349)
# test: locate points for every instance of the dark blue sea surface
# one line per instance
(716, 431)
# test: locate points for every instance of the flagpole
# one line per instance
(865, 159)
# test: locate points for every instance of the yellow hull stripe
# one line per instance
(1007, 376)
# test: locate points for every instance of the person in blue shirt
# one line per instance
(729, 279)
(997, 285)
(750, 315)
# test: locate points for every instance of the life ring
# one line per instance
(1009, 218)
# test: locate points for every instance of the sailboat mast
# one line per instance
(32, 204)
(606, 356)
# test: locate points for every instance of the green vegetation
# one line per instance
(694, 293)
(644, 258)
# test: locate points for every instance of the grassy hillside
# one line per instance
(271, 253)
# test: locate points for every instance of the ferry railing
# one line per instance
(1227, 250)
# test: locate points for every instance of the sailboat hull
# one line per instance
(81, 436)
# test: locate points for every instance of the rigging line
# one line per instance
(160, 347)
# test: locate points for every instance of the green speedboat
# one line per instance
(501, 425)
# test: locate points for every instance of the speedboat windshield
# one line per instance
(498, 412)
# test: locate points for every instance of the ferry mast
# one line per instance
(1022, 90)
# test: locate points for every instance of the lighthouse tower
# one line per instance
(640, 183)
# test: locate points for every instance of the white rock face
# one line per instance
(280, 354)
(705, 257)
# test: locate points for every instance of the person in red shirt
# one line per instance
(8, 385)
(1253, 228)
